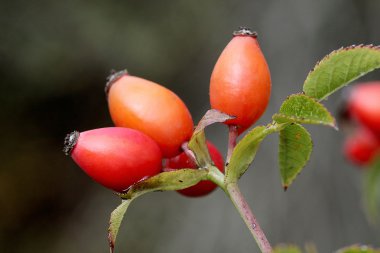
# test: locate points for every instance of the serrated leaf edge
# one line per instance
(298, 120)
(336, 51)
(360, 46)
(302, 94)
(286, 186)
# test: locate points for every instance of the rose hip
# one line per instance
(150, 108)
(240, 83)
(115, 157)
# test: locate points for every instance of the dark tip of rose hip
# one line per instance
(70, 142)
(112, 78)
(343, 114)
(245, 31)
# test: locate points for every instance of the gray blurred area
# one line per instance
(54, 57)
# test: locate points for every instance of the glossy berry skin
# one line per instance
(361, 147)
(364, 105)
(240, 82)
(152, 109)
(116, 157)
(182, 161)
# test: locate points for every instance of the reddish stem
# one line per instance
(248, 217)
(232, 136)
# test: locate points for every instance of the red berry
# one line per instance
(115, 157)
(150, 108)
(364, 105)
(361, 147)
(240, 82)
(182, 161)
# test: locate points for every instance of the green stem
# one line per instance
(248, 217)
(217, 177)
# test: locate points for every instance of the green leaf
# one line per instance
(115, 221)
(294, 151)
(358, 249)
(302, 109)
(197, 143)
(340, 68)
(372, 191)
(167, 181)
(245, 151)
(286, 249)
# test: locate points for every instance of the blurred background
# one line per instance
(54, 58)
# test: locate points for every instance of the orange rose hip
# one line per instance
(240, 83)
(146, 106)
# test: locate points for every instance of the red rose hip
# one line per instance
(150, 108)
(115, 157)
(364, 105)
(240, 83)
(361, 147)
(182, 161)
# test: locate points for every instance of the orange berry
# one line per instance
(240, 82)
(150, 108)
